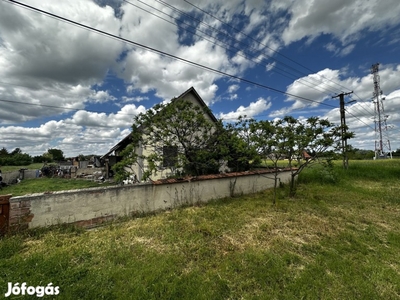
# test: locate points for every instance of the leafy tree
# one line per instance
(267, 145)
(54, 155)
(181, 137)
(15, 158)
(39, 159)
(3, 152)
(21, 159)
(359, 154)
(16, 151)
(124, 168)
(241, 153)
(314, 134)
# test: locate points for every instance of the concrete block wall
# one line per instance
(11, 177)
(89, 207)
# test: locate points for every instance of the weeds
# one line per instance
(335, 240)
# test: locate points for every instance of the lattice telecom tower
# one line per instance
(382, 147)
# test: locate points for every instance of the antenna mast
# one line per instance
(379, 117)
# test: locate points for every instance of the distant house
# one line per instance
(306, 156)
(170, 152)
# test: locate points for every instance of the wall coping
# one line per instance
(218, 176)
(152, 183)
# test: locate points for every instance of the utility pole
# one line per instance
(343, 126)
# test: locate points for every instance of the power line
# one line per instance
(265, 45)
(66, 20)
(258, 42)
(247, 46)
(163, 53)
(224, 45)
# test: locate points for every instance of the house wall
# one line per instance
(146, 151)
(89, 207)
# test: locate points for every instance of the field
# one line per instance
(339, 238)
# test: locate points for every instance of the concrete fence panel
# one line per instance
(90, 207)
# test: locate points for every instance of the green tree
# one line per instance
(267, 146)
(4, 152)
(38, 159)
(21, 159)
(241, 153)
(182, 138)
(314, 134)
(54, 154)
(15, 158)
(16, 151)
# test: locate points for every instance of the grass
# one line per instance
(339, 238)
(43, 184)
(33, 166)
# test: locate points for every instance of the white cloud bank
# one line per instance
(254, 109)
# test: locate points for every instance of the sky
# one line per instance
(78, 88)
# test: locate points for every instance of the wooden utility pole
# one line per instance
(343, 126)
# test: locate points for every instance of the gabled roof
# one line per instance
(127, 140)
(199, 99)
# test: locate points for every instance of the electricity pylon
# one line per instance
(379, 117)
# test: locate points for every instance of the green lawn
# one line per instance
(339, 238)
(34, 166)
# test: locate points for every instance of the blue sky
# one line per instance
(70, 88)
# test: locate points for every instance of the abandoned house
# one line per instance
(169, 152)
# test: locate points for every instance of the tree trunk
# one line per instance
(292, 191)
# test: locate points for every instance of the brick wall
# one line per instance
(20, 215)
(4, 213)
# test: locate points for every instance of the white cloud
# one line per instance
(347, 50)
(50, 65)
(321, 86)
(340, 51)
(331, 47)
(56, 51)
(233, 88)
(134, 99)
(312, 89)
(123, 118)
(345, 19)
(169, 78)
(270, 66)
(254, 109)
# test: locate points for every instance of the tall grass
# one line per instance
(337, 239)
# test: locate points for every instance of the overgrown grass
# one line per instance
(41, 185)
(337, 239)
